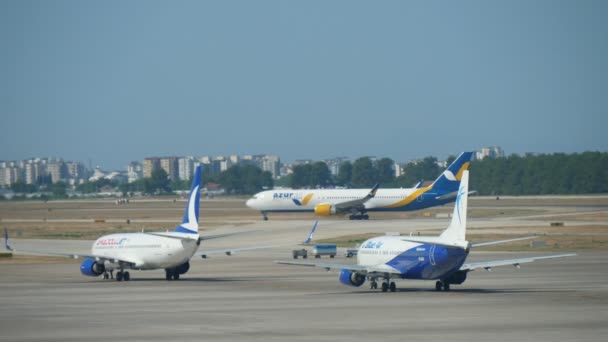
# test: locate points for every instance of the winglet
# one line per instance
(314, 227)
(373, 191)
(190, 222)
(7, 244)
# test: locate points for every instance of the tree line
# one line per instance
(532, 174)
(362, 173)
(237, 179)
(544, 174)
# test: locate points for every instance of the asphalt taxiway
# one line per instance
(249, 298)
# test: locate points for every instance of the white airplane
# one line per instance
(357, 202)
(170, 251)
(441, 258)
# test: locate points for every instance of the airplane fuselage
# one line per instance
(146, 251)
(412, 260)
(306, 200)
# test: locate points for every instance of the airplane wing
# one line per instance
(217, 236)
(99, 258)
(352, 267)
(7, 245)
(487, 265)
(357, 203)
(231, 251)
(479, 244)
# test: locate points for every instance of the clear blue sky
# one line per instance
(115, 81)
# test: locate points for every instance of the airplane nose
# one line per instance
(249, 203)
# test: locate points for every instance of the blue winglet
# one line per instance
(314, 227)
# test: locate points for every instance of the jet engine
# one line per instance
(351, 278)
(183, 268)
(91, 268)
(325, 210)
(456, 278)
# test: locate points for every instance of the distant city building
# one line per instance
(272, 164)
(334, 164)
(170, 165)
(234, 159)
(223, 163)
(33, 170)
(9, 175)
(151, 164)
(398, 170)
(97, 175)
(134, 171)
(491, 152)
(57, 170)
(185, 166)
(75, 170)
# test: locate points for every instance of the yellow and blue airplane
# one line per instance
(357, 202)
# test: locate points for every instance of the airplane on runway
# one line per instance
(441, 258)
(357, 202)
(170, 251)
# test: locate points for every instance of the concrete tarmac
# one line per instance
(249, 298)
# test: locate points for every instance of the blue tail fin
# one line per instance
(449, 180)
(314, 227)
(7, 244)
(190, 222)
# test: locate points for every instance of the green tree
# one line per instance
(413, 173)
(246, 179)
(136, 186)
(20, 186)
(559, 173)
(385, 170)
(345, 174)
(159, 182)
(364, 174)
(320, 175)
(59, 189)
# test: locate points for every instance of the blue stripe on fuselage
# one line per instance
(418, 263)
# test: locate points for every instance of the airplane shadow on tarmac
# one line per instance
(452, 291)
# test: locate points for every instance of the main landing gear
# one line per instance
(386, 285)
(108, 275)
(359, 217)
(120, 275)
(439, 285)
(171, 274)
(123, 275)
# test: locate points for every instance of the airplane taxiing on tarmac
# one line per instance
(357, 202)
(170, 251)
(441, 258)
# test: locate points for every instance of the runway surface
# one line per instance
(248, 298)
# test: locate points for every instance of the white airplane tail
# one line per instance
(457, 229)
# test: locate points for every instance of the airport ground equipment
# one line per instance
(324, 250)
(351, 252)
(300, 252)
